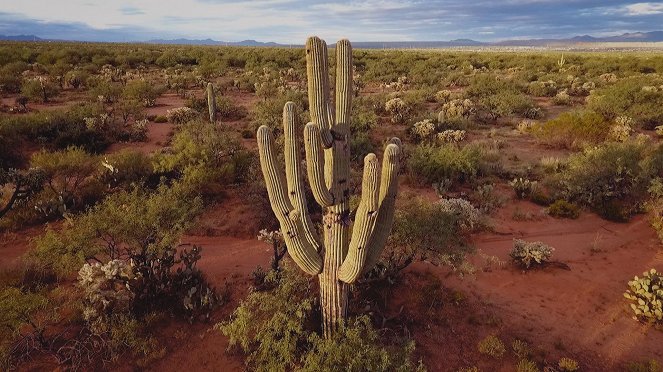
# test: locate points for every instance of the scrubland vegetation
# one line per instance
(128, 182)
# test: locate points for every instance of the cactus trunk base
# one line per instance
(333, 302)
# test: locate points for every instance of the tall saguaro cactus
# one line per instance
(338, 258)
(211, 102)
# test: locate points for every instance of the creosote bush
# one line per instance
(573, 129)
(530, 254)
(434, 164)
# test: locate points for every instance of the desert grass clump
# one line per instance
(526, 365)
(568, 364)
(646, 295)
(530, 254)
(492, 346)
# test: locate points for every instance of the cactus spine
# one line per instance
(211, 102)
(338, 258)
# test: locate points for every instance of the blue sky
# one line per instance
(290, 21)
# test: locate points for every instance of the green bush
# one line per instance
(205, 156)
(438, 232)
(126, 168)
(573, 129)
(563, 209)
(630, 97)
(611, 179)
(434, 164)
(646, 295)
(135, 221)
(39, 90)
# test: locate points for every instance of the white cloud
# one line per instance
(644, 9)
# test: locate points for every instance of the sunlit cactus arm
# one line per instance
(293, 172)
(211, 102)
(388, 192)
(315, 165)
(299, 247)
(364, 225)
(317, 72)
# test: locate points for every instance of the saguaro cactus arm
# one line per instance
(293, 173)
(374, 215)
(317, 72)
(388, 193)
(300, 248)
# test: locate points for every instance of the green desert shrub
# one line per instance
(563, 209)
(631, 97)
(60, 128)
(437, 232)
(434, 164)
(492, 346)
(274, 328)
(529, 254)
(39, 90)
(69, 181)
(126, 168)
(573, 129)
(205, 156)
(655, 205)
(127, 220)
(611, 179)
(646, 296)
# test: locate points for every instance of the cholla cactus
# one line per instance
(181, 115)
(562, 98)
(527, 254)
(608, 77)
(649, 89)
(469, 217)
(451, 136)
(106, 291)
(443, 96)
(456, 108)
(398, 109)
(338, 259)
(423, 129)
(622, 129)
(138, 130)
(659, 130)
(211, 103)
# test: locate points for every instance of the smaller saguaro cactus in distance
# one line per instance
(211, 102)
(338, 258)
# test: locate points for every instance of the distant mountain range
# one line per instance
(653, 36)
